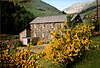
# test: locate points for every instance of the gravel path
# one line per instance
(35, 49)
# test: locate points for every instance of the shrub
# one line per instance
(40, 42)
(97, 25)
(6, 60)
(18, 43)
(68, 43)
(22, 59)
(3, 46)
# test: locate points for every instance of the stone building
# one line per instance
(41, 26)
(24, 35)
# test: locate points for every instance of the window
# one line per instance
(34, 25)
(35, 34)
(37, 28)
(43, 34)
(52, 25)
(43, 25)
(28, 40)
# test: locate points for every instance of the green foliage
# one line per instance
(9, 37)
(18, 43)
(97, 25)
(14, 18)
(34, 41)
(20, 1)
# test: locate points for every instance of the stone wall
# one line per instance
(23, 34)
(42, 30)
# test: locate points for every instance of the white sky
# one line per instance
(62, 4)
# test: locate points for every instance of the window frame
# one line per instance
(35, 34)
(35, 26)
(43, 34)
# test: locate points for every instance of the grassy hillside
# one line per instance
(91, 9)
(92, 12)
(40, 8)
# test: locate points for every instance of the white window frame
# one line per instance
(43, 34)
(34, 25)
(35, 34)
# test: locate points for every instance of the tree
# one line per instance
(14, 18)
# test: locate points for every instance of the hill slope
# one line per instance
(84, 8)
(40, 8)
(91, 9)
(75, 8)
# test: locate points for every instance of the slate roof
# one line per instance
(75, 15)
(49, 19)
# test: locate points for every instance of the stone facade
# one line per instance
(23, 36)
(42, 28)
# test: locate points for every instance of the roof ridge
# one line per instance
(57, 18)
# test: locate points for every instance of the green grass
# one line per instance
(43, 63)
(9, 37)
(40, 8)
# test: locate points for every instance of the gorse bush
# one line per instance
(22, 59)
(6, 59)
(25, 59)
(69, 43)
(40, 42)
